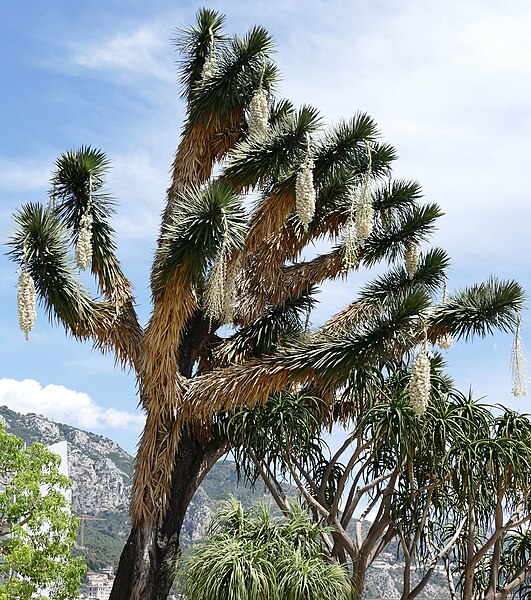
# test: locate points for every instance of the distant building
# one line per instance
(61, 448)
(100, 584)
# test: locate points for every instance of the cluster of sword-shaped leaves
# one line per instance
(26, 296)
(219, 289)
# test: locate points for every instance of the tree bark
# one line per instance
(497, 552)
(147, 565)
(359, 569)
(468, 586)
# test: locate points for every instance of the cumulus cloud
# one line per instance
(61, 404)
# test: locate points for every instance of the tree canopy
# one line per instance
(37, 529)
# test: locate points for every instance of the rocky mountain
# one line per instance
(99, 469)
(101, 474)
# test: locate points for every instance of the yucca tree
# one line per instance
(224, 257)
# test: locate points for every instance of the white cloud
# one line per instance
(24, 176)
(141, 187)
(63, 405)
(142, 51)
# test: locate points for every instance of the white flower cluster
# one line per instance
(220, 289)
(350, 248)
(364, 215)
(84, 241)
(518, 366)
(411, 258)
(258, 113)
(445, 341)
(305, 194)
(231, 288)
(26, 302)
(419, 384)
(210, 66)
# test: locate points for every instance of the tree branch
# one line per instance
(441, 554)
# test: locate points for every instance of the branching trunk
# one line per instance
(496, 554)
(470, 565)
(147, 565)
(450, 578)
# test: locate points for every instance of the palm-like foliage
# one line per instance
(209, 236)
(251, 556)
(458, 473)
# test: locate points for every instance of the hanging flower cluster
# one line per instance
(518, 365)
(231, 288)
(364, 215)
(26, 302)
(445, 341)
(214, 294)
(364, 208)
(258, 113)
(419, 384)
(305, 193)
(84, 242)
(210, 66)
(84, 235)
(359, 228)
(411, 258)
(350, 248)
(219, 295)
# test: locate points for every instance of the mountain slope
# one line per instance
(100, 470)
(101, 474)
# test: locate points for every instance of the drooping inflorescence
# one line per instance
(214, 294)
(518, 364)
(258, 113)
(305, 193)
(420, 384)
(220, 286)
(84, 235)
(26, 302)
(231, 287)
(350, 247)
(445, 341)
(210, 66)
(411, 258)
(360, 222)
(84, 242)
(364, 208)
(364, 217)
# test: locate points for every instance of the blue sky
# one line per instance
(448, 84)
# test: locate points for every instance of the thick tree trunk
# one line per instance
(147, 565)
